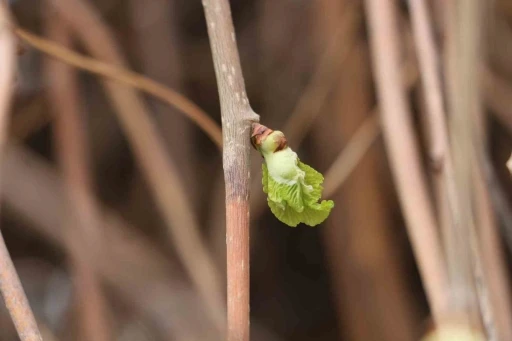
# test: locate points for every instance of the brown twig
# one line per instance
(441, 162)
(237, 117)
(10, 285)
(426, 53)
(160, 171)
(14, 297)
(123, 75)
(404, 155)
(71, 144)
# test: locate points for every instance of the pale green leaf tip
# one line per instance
(293, 188)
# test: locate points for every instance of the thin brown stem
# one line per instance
(71, 144)
(10, 285)
(429, 70)
(441, 161)
(120, 74)
(403, 153)
(439, 151)
(237, 117)
(15, 298)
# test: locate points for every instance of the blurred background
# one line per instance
(99, 260)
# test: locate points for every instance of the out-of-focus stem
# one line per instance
(10, 285)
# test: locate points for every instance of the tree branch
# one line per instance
(237, 117)
(438, 147)
(10, 285)
(82, 216)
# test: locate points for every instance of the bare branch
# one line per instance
(237, 117)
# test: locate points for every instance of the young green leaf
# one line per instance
(293, 188)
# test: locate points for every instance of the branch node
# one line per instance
(252, 117)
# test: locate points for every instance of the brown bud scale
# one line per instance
(259, 134)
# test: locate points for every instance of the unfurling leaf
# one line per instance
(293, 188)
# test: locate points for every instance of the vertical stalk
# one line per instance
(10, 285)
(159, 169)
(237, 117)
(82, 217)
